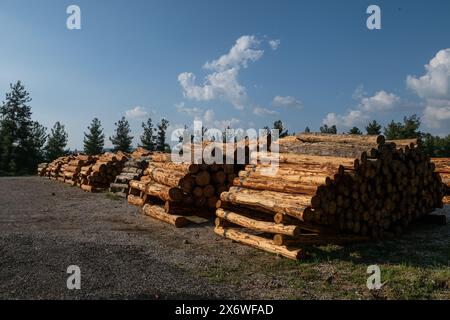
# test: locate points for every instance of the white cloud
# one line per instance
(264, 112)
(243, 51)
(274, 44)
(434, 88)
(181, 108)
(437, 113)
(352, 118)
(136, 113)
(286, 101)
(380, 102)
(210, 121)
(223, 82)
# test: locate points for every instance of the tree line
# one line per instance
(24, 143)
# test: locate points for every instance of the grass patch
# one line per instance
(414, 266)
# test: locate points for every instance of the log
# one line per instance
(271, 184)
(316, 239)
(139, 185)
(119, 185)
(259, 243)
(135, 200)
(183, 210)
(163, 176)
(158, 212)
(340, 138)
(262, 201)
(186, 168)
(202, 178)
(163, 192)
(263, 226)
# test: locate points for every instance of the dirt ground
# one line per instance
(45, 226)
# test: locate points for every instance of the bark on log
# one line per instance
(164, 192)
(262, 201)
(158, 212)
(259, 243)
(263, 226)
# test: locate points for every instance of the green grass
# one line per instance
(414, 266)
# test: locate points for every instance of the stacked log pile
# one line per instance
(443, 168)
(316, 199)
(132, 170)
(170, 191)
(98, 176)
(72, 169)
(42, 169)
(338, 145)
(55, 169)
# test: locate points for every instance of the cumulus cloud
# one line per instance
(223, 82)
(434, 88)
(136, 113)
(274, 44)
(380, 102)
(286, 101)
(244, 50)
(259, 111)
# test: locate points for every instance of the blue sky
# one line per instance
(305, 62)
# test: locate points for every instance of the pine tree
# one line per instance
(56, 143)
(329, 130)
(354, 130)
(407, 130)
(94, 139)
(307, 130)
(17, 143)
(147, 137)
(122, 139)
(278, 125)
(161, 135)
(39, 139)
(373, 128)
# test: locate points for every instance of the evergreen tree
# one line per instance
(17, 143)
(373, 128)
(161, 135)
(329, 130)
(435, 146)
(354, 130)
(94, 139)
(39, 139)
(407, 130)
(56, 143)
(307, 130)
(147, 137)
(278, 125)
(122, 139)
